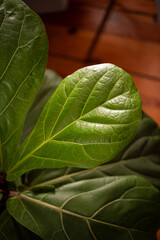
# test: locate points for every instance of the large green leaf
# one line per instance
(123, 208)
(23, 56)
(140, 157)
(93, 115)
(50, 83)
(11, 230)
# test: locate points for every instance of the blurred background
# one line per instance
(125, 33)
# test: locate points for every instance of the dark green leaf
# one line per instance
(11, 230)
(50, 83)
(23, 56)
(92, 116)
(42, 188)
(39, 176)
(123, 208)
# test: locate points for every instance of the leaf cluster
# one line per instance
(76, 159)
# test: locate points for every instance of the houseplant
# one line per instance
(52, 186)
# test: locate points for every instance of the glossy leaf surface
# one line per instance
(23, 56)
(50, 83)
(105, 208)
(93, 115)
(140, 157)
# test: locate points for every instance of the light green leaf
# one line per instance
(50, 83)
(11, 230)
(123, 208)
(92, 116)
(140, 157)
(23, 56)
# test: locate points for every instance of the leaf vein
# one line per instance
(60, 210)
(12, 133)
(90, 229)
(25, 209)
(62, 223)
(65, 103)
(91, 93)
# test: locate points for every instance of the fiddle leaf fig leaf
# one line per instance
(23, 57)
(86, 210)
(141, 157)
(50, 83)
(91, 117)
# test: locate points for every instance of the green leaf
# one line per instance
(91, 117)
(140, 157)
(23, 56)
(50, 83)
(113, 207)
(58, 175)
(42, 189)
(11, 230)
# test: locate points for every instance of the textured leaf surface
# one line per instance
(50, 83)
(23, 56)
(105, 208)
(93, 115)
(140, 157)
(11, 230)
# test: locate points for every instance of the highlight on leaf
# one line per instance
(91, 117)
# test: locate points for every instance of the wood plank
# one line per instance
(129, 24)
(71, 33)
(149, 92)
(63, 66)
(158, 235)
(77, 15)
(132, 25)
(99, 3)
(143, 6)
(64, 43)
(133, 55)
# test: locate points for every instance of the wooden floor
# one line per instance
(130, 38)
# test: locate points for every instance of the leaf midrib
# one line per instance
(43, 143)
(23, 82)
(61, 211)
(16, 50)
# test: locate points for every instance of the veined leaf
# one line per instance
(11, 230)
(50, 83)
(123, 208)
(93, 115)
(140, 157)
(23, 56)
